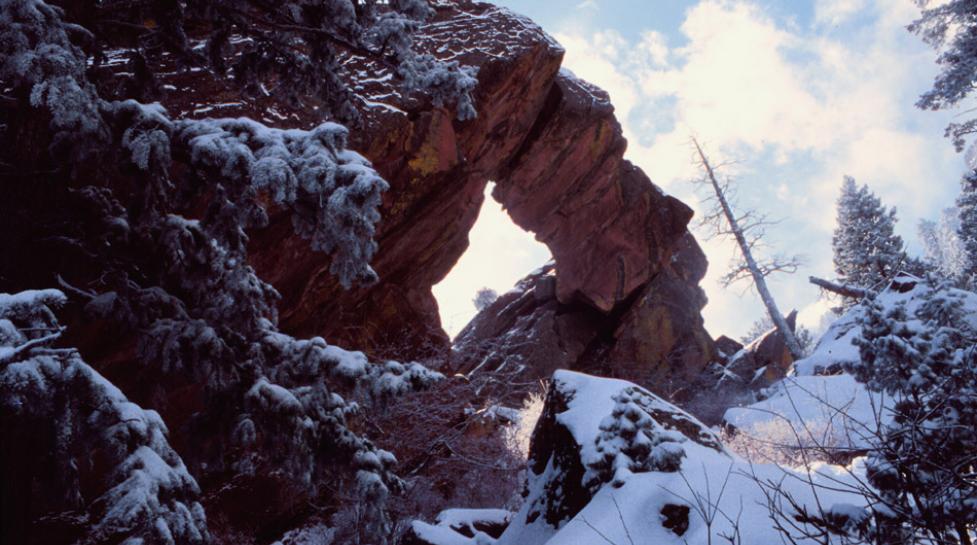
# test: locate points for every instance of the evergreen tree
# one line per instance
(951, 28)
(54, 407)
(944, 251)
(867, 252)
(967, 230)
(922, 465)
(144, 219)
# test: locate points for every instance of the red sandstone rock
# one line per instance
(608, 227)
(437, 168)
(656, 337)
(738, 377)
(623, 299)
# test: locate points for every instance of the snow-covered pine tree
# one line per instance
(944, 251)
(921, 465)
(143, 219)
(967, 230)
(62, 418)
(951, 28)
(867, 252)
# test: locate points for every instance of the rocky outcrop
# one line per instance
(437, 168)
(655, 337)
(626, 266)
(595, 437)
(595, 432)
(621, 297)
(765, 360)
(740, 373)
(611, 462)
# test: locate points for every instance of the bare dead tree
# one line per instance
(748, 230)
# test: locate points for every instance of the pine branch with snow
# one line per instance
(146, 493)
(160, 209)
(967, 229)
(951, 28)
(922, 463)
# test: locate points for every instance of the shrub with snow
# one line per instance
(902, 392)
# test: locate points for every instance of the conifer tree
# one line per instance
(921, 465)
(867, 252)
(58, 410)
(967, 230)
(951, 28)
(944, 251)
(144, 219)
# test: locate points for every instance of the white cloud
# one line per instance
(834, 12)
(652, 49)
(593, 58)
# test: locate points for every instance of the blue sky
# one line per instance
(799, 93)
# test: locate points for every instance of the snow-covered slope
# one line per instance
(613, 463)
(818, 399)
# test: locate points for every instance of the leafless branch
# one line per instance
(746, 228)
(13, 354)
(840, 289)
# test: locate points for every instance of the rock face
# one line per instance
(437, 168)
(623, 298)
(741, 372)
(655, 337)
(765, 360)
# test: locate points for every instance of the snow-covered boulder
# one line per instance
(595, 432)
(459, 527)
(612, 463)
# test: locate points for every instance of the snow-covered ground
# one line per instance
(820, 402)
(614, 464)
(712, 492)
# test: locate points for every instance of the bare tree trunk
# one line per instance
(840, 289)
(758, 279)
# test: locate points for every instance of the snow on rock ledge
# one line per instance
(612, 463)
(459, 527)
(595, 431)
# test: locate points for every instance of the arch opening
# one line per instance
(499, 254)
